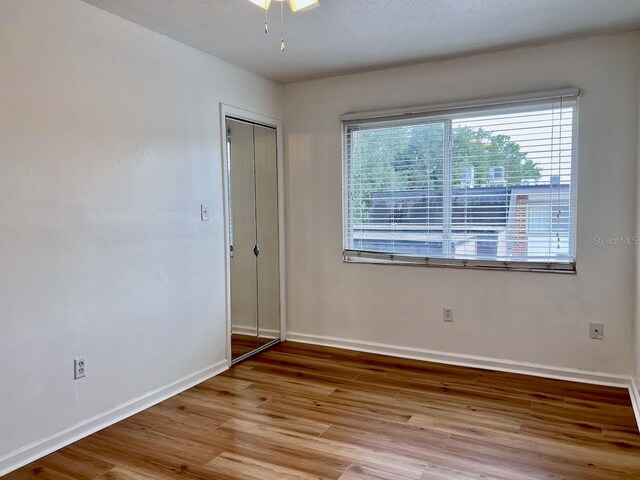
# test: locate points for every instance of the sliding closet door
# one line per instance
(266, 174)
(242, 233)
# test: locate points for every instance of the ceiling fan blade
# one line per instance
(302, 5)
(262, 3)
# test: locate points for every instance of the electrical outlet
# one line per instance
(204, 212)
(79, 367)
(448, 314)
(597, 331)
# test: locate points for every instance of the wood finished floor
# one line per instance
(307, 412)
(242, 344)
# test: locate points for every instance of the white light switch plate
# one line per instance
(204, 212)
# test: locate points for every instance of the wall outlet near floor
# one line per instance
(448, 314)
(79, 367)
(597, 330)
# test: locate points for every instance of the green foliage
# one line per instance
(412, 158)
(419, 162)
(481, 150)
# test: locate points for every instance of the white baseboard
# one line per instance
(247, 330)
(634, 393)
(487, 363)
(29, 453)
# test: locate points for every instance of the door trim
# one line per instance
(264, 120)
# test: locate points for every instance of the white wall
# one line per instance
(636, 330)
(109, 143)
(528, 317)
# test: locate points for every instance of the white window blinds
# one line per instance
(483, 184)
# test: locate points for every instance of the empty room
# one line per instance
(319, 239)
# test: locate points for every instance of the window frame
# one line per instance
(445, 113)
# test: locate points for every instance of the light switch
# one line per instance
(204, 212)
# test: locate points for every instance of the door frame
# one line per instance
(259, 119)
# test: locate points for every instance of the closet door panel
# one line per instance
(244, 296)
(266, 172)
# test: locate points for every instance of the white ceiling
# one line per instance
(344, 36)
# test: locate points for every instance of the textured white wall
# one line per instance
(541, 318)
(109, 143)
(636, 330)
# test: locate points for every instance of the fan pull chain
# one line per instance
(282, 45)
(266, 21)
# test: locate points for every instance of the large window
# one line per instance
(485, 184)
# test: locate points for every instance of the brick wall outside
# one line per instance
(519, 248)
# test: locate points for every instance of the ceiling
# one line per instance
(343, 36)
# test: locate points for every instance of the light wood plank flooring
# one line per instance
(242, 344)
(305, 412)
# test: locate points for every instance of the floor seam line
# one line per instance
(347, 469)
(323, 432)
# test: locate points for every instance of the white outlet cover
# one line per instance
(79, 367)
(597, 330)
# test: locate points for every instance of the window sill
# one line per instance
(368, 258)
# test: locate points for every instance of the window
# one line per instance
(485, 184)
